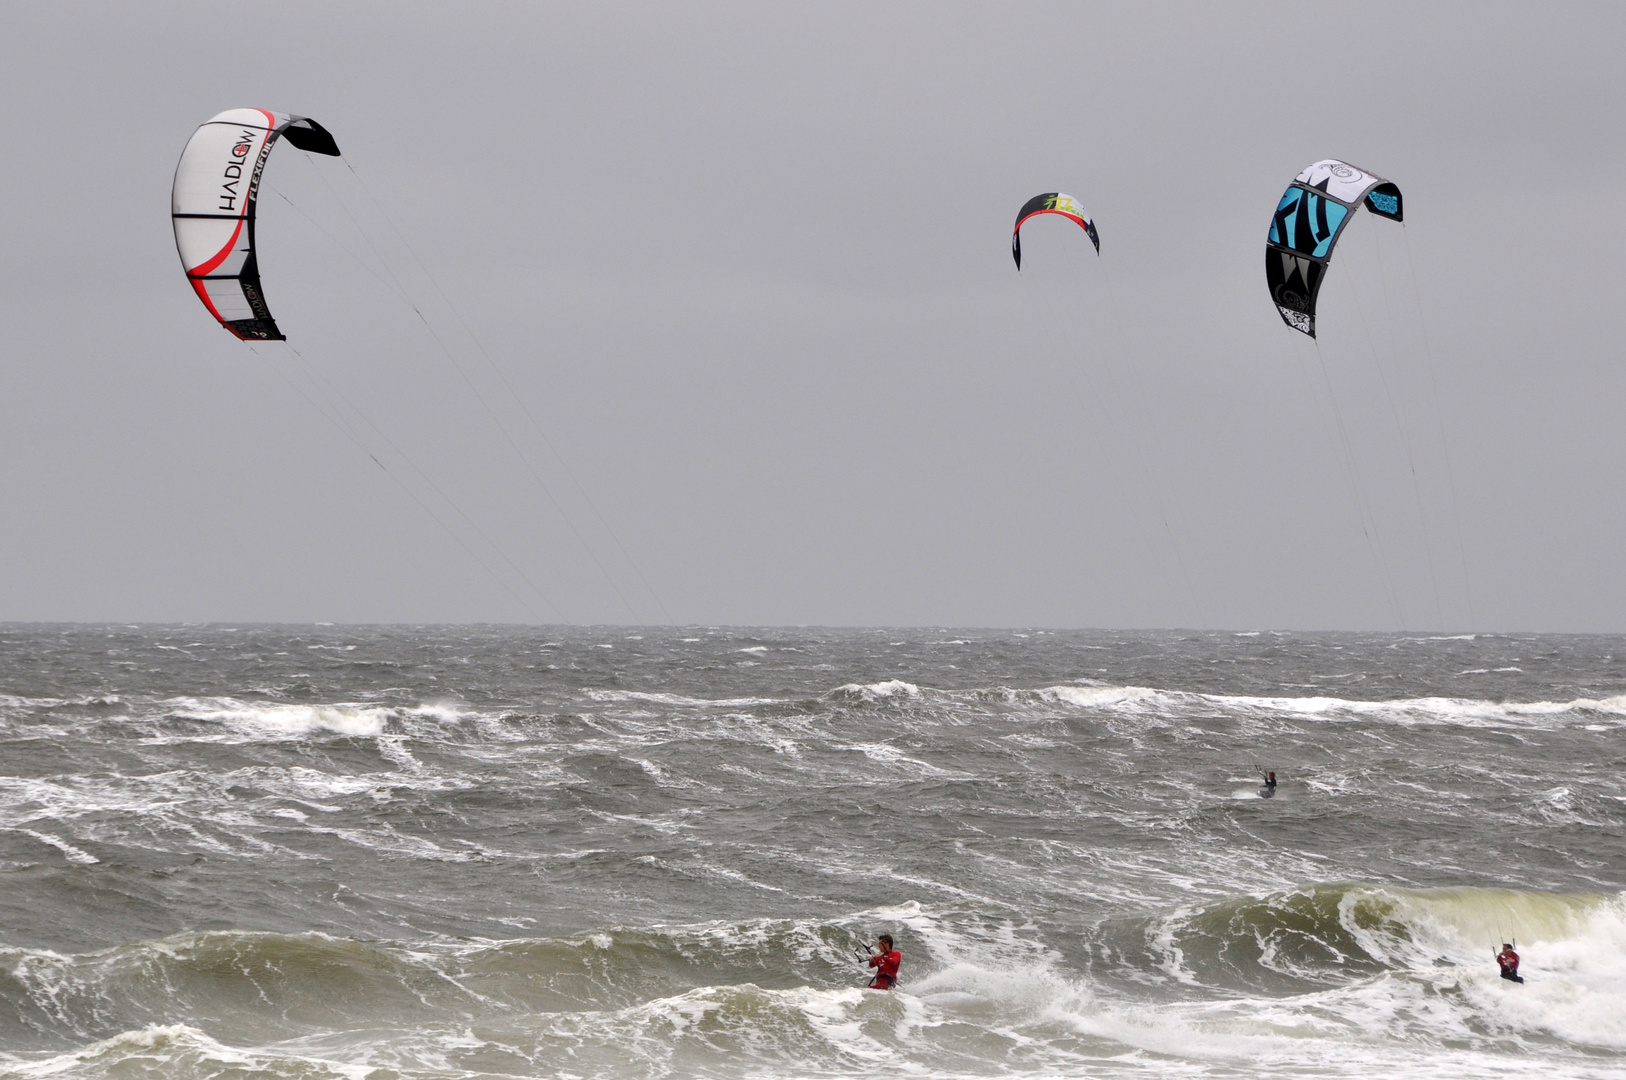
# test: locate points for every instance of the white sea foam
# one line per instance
(445, 711)
(284, 721)
(178, 1050)
(74, 854)
(676, 700)
(1094, 697)
(879, 691)
(1405, 711)
(1142, 701)
(898, 760)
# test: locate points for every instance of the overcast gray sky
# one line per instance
(719, 321)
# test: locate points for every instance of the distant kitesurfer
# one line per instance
(1270, 782)
(885, 962)
(1508, 961)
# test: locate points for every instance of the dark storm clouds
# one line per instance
(748, 268)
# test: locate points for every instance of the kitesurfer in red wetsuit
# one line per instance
(1508, 961)
(885, 962)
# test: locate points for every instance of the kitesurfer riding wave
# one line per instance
(885, 962)
(1508, 961)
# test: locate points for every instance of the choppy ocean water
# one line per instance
(455, 852)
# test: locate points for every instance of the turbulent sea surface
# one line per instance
(454, 852)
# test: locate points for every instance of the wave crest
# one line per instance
(285, 721)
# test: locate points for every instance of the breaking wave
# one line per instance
(1305, 974)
